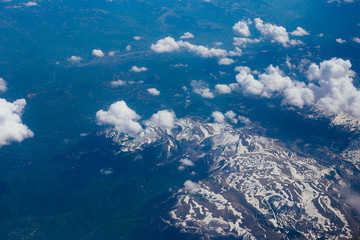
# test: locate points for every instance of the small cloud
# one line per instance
(74, 59)
(98, 53)
(201, 88)
(320, 35)
(225, 61)
(187, 35)
(128, 48)
(179, 65)
(138, 69)
(117, 83)
(231, 116)
(218, 117)
(356, 39)
(299, 32)
(154, 91)
(137, 38)
(30, 4)
(3, 85)
(186, 162)
(106, 171)
(112, 53)
(341, 41)
(190, 186)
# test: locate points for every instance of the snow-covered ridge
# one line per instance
(256, 188)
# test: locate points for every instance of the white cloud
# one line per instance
(236, 53)
(30, 4)
(241, 28)
(218, 117)
(128, 48)
(106, 171)
(274, 33)
(356, 39)
(225, 61)
(137, 38)
(3, 85)
(11, 127)
(153, 91)
(186, 162)
(231, 116)
(138, 69)
(168, 44)
(223, 88)
(341, 41)
(97, 53)
(330, 88)
(112, 53)
(190, 186)
(200, 87)
(299, 32)
(164, 119)
(118, 83)
(243, 41)
(121, 117)
(74, 59)
(187, 35)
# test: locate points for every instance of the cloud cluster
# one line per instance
(11, 127)
(330, 88)
(121, 117)
(274, 33)
(202, 88)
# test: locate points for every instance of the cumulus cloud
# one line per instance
(187, 35)
(11, 127)
(128, 48)
(153, 91)
(274, 33)
(117, 83)
(186, 162)
(330, 88)
(164, 119)
(236, 53)
(341, 41)
(241, 28)
(121, 117)
(225, 61)
(200, 87)
(98, 53)
(74, 59)
(3, 85)
(222, 88)
(138, 69)
(299, 32)
(218, 117)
